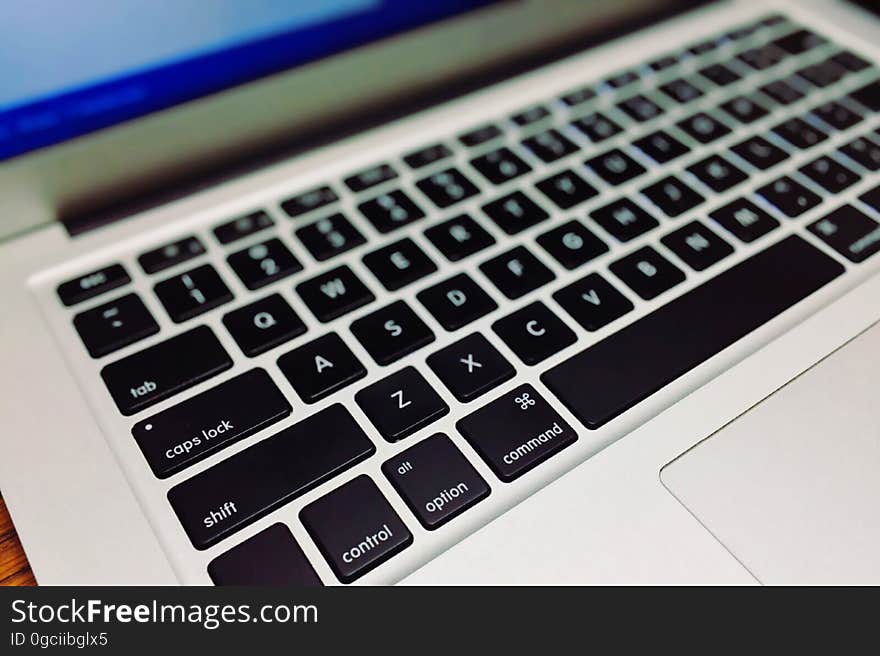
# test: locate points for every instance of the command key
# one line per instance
(516, 432)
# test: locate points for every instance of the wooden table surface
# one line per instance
(14, 568)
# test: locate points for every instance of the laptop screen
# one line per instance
(69, 68)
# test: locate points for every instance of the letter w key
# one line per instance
(334, 293)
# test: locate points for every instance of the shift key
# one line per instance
(516, 432)
(194, 429)
(272, 472)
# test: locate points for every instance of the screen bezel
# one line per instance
(89, 173)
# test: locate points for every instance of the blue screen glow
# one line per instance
(70, 68)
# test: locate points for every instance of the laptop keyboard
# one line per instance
(591, 203)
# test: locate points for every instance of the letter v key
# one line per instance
(592, 297)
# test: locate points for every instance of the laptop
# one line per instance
(461, 292)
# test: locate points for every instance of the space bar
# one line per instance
(610, 377)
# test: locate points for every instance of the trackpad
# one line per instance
(792, 487)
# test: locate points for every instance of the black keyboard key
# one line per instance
(661, 146)
(242, 227)
(799, 41)
(264, 263)
(647, 273)
(391, 211)
(516, 272)
(250, 484)
(427, 155)
(499, 166)
(868, 95)
(392, 332)
(263, 325)
(790, 197)
(639, 108)
(456, 302)
(309, 201)
(717, 173)
(355, 528)
(850, 232)
(534, 333)
(744, 109)
(745, 220)
(672, 196)
(763, 57)
(190, 431)
(697, 246)
(703, 48)
(516, 432)
(566, 189)
(624, 219)
(872, 198)
(704, 128)
(578, 96)
(480, 135)
(615, 167)
(321, 367)
(760, 153)
(271, 557)
(772, 21)
(446, 188)
(514, 212)
(470, 367)
(550, 145)
(622, 79)
(401, 404)
(329, 237)
(830, 174)
(663, 63)
(111, 326)
(741, 33)
(864, 152)
(799, 133)
(783, 92)
(597, 127)
(399, 263)
(851, 61)
(435, 480)
(837, 116)
(370, 177)
(647, 355)
(572, 245)
(823, 74)
(334, 293)
(92, 284)
(720, 74)
(530, 115)
(190, 294)
(593, 302)
(459, 237)
(149, 376)
(167, 256)
(681, 90)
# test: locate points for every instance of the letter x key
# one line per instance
(470, 363)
